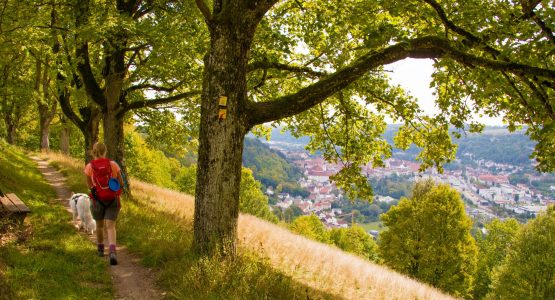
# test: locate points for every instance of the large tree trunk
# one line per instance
(113, 136)
(221, 143)
(113, 113)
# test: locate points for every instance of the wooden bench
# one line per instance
(13, 207)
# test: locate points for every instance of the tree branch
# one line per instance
(265, 65)
(471, 39)
(154, 87)
(204, 10)
(83, 60)
(63, 99)
(545, 29)
(141, 13)
(158, 101)
(141, 9)
(87, 76)
(425, 47)
(136, 48)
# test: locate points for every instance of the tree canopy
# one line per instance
(493, 248)
(428, 237)
(355, 240)
(311, 227)
(527, 271)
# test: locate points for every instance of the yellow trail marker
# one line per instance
(222, 107)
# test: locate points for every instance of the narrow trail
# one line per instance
(130, 280)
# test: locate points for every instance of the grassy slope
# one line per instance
(47, 258)
(373, 226)
(273, 263)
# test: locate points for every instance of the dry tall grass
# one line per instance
(317, 265)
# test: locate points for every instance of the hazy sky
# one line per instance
(415, 75)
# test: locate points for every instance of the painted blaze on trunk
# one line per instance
(221, 142)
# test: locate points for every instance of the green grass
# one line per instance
(164, 241)
(373, 226)
(45, 258)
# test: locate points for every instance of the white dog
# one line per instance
(81, 207)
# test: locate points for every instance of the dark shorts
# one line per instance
(105, 210)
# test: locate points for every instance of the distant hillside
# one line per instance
(269, 166)
(495, 143)
(510, 148)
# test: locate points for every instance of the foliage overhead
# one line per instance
(301, 47)
(299, 44)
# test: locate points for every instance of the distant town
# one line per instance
(487, 195)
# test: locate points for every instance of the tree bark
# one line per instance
(113, 136)
(65, 135)
(90, 132)
(114, 112)
(221, 142)
(10, 130)
(44, 135)
(47, 111)
(12, 116)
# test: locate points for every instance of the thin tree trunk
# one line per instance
(46, 107)
(46, 115)
(10, 130)
(44, 135)
(65, 135)
(90, 130)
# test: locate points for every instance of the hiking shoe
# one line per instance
(113, 259)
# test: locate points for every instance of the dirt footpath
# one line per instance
(130, 280)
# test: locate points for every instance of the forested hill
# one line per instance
(514, 148)
(270, 167)
(494, 143)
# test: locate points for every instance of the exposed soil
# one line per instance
(130, 280)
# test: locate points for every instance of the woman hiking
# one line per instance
(104, 181)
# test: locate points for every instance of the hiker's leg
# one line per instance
(111, 232)
(110, 217)
(100, 237)
(99, 231)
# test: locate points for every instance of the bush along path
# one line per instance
(130, 280)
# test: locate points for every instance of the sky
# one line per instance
(415, 75)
